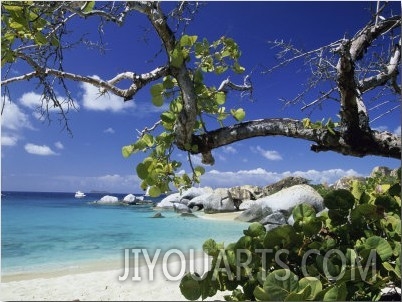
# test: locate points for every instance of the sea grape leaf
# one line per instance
(190, 288)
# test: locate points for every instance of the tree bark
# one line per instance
(383, 144)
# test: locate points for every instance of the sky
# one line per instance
(40, 155)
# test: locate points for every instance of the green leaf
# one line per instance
(142, 170)
(127, 150)
(238, 114)
(336, 293)
(157, 89)
(381, 245)
(89, 5)
(40, 38)
(315, 285)
(220, 98)
(255, 229)
(157, 100)
(176, 106)
(154, 191)
(148, 139)
(299, 296)
(280, 283)
(199, 170)
(188, 40)
(283, 236)
(388, 203)
(339, 199)
(302, 211)
(168, 117)
(327, 266)
(260, 294)
(176, 58)
(395, 190)
(168, 83)
(210, 247)
(190, 288)
(363, 212)
(237, 68)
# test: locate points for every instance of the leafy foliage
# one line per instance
(328, 125)
(348, 253)
(158, 170)
(25, 23)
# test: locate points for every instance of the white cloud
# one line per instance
(8, 140)
(397, 131)
(381, 128)
(109, 130)
(196, 159)
(13, 118)
(39, 150)
(93, 100)
(112, 183)
(229, 150)
(268, 154)
(59, 145)
(261, 177)
(13, 121)
(35, 101)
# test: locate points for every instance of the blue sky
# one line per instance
(40, 156)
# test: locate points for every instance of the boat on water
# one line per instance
(79, 194)
(147, 192)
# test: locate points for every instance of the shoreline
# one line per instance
(227, 216)
(158, 282)
(97, 280)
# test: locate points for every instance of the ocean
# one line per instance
(43, 231)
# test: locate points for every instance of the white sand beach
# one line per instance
(220, 216)
(99, 281)
(101, 285)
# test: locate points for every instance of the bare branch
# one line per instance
(385, 113)
(382, 143)
(367, 35)
(228, 84)
(147, 130)
(323, 97)
(390, 72)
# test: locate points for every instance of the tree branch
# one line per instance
(187, 117)
(390, 72)
(367, 35)
(384, 143)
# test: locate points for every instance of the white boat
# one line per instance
(147, 192)
(79, 194)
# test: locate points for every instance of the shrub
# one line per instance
(350, 252)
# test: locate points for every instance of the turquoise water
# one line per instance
(41, 231)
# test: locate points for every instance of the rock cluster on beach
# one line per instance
(129, 199)
(270, 205)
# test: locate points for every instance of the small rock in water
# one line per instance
(158, 215)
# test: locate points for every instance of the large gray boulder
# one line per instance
(218, 202)
(181, 208)
(380, 171)
(246, 204)
(194, 192)
(184, 197)
(169, 200)
(281, 204)
(276, 218)
(285, 200)
(198, 201)
(346, 182)
(287, 182)
(253, 213)
(129, 199)
(107, 199)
